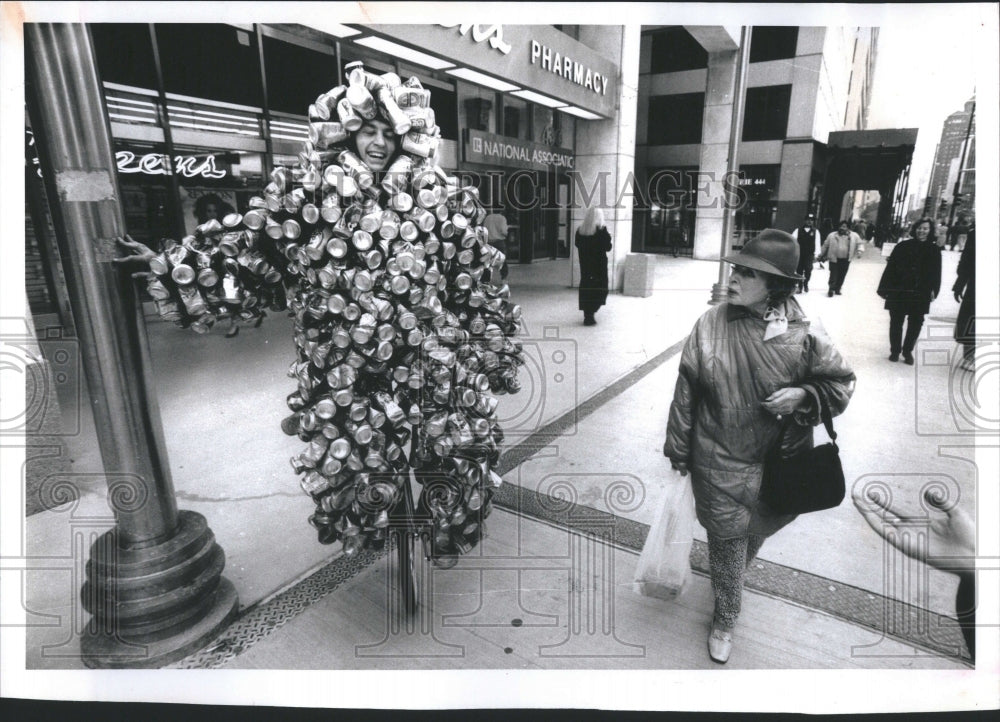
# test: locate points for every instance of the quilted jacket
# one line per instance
(717, 424)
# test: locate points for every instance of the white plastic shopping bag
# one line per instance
(665, 562)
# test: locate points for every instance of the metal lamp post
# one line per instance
(154, 583)
(733, 165)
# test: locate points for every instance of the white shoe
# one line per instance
(720, 644)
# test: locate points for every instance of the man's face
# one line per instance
(376, 143)
(808, 223)
(843, 229)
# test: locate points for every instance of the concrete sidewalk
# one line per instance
(609, 388)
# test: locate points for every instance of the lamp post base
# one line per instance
(154, 605)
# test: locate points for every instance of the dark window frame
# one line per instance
(773, 42)
(684, 114)
(673, 50)
(767, 110)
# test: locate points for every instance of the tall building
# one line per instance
(949, 150)
(803, 83)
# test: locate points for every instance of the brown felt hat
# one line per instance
(773, 251)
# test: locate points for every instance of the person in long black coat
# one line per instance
(965, 292)
(911, 280)
(593, 242)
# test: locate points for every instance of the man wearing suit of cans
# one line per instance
(404, 331)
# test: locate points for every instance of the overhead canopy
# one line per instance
(868, 160)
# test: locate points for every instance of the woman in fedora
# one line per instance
(750, 367)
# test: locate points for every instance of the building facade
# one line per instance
(957, 129)
(802, 84)
(201, 113)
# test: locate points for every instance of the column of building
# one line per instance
(605, 149)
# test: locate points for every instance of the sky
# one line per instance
(924, 72)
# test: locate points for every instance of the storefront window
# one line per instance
(515, 118)
(547, 126)
(667, 226)
(211, 185)
(124, 54)
(760, 184)
(215, 62)
(478, 106)
(296, 75)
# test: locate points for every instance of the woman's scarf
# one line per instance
(777, 322)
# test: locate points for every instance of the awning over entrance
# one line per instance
(869, 160)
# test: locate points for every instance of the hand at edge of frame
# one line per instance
(952, 544)
(137, 252)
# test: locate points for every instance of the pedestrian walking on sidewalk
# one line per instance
(839, 248)
(965, 292)
(910, 281)
(593, 242)
(807, 237)
(497, 230)
(750, 368)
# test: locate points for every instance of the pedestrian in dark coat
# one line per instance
(910, 281)
(593, 242)
(750, 367)
(965, 292)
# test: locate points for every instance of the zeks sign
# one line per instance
(188, 166)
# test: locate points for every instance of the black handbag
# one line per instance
(810, 481)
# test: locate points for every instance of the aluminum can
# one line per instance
(420, 144)
(273, 229)
(357, 75)
(388, 225)
(362, 240)
(356, 168)
(336, 247)
(328, 133)
(157, 290)
(291, 229)
(397, 175)
(254, 219)
(399, 120)
(325, 408)
(204, 323)
(207, 277)
(408, 231)
(372, 259)
(335, 304)
(391, 80)
(352, 312)
(421, 119)
(183, 274)
(348, 116)
(192, 299)
(401, 202)
(209, 228)
(330, 210)
(310, 213)
(168, 310)
(231, 243)
(407, 97)
(158, 264)
(362, 101)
